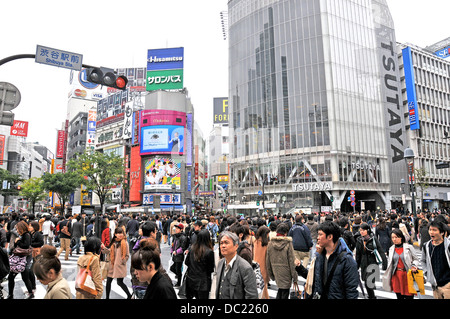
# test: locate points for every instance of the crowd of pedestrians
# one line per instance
(228, 257)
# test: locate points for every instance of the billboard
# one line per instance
(60, 144)
(410, 89)
(19, 128)
(220, 110)
(165, 69)
(161, 172)
(162, 132)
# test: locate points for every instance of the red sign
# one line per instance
(2, 148)
(19, 128)
(60, 144)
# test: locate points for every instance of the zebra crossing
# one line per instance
(70, 269)
(379, 292)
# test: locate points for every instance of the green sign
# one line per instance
(165, 80)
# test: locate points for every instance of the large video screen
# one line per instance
(164, 139)
(161, 173)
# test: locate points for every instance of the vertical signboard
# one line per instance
(165, 69)
(410, 89)
(2, 148)
(60, 144)
(220, 110)
(391, 96)
(91, 129)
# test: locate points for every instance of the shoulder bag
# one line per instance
(84, 282)
(326, 286)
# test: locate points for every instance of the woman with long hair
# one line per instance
(200, 263)
(23, 242)
(260, 252)
(119, 254)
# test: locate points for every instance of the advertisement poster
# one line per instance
(162, 132)
(161, 172)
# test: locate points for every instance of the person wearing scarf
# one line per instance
(119, 254)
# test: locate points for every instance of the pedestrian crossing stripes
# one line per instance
(70, 268)
(379, 292)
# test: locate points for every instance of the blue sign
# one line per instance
(444, 53)
(84, 82)
(165, 59)
(413, 109)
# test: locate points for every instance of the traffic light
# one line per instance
(106, 77)
(331, 198)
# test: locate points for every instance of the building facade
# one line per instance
(314, 106)
(426, 96)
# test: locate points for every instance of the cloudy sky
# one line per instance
(117, 34)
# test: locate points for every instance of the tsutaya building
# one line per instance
(315, 106)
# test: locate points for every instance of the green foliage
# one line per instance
(62, 184)
(99, 171)
(12, 179)
(33, 190)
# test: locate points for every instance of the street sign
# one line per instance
(353, 204)
(9, 96)
(260, 193)
(352, 192)
(59, 58)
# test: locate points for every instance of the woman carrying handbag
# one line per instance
(91, 258)
(402, 258)
(21, 254)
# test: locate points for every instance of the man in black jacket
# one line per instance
(77, 231)
(178, 248)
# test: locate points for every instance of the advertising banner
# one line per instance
(161, 173)
(19, 128)
(162, 132)
(2, 148)
(165, 80)
(165, 69)
(220, 110)
(165, 59)
(60, 144)
(410, 89)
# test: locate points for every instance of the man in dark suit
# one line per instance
(235, 276)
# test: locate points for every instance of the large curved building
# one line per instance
(315, 106)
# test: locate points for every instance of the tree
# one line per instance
(100, 172)
(33, 190)
(12, 181)
(62, 184)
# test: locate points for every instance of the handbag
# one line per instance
(17, 263)
(22, 252)
(296, 294)
(84, 282)
(376, 253)
(104, 268)
(259, 278)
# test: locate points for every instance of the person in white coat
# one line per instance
(402, 257)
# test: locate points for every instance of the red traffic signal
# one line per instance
(106, 77)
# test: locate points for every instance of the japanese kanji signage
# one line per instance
(165, 69)
(59, 58)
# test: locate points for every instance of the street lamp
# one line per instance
(174, 187)
(409, 159)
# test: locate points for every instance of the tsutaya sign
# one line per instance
(312, 187)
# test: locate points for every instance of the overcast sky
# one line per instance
(117, 34)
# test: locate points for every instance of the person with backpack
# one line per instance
(346, 234)
(213, 229)
(335, 270)
(301, 240)
(65, 230)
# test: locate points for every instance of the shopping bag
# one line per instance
(296, 294)
(104, 268)
(416, 280)
(84, 282)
